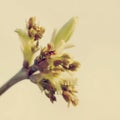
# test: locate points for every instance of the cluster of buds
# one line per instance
(50, 61)
(34, 31)
(54, 68)
(69, 91)
(30, 40)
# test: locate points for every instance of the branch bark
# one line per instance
(21, 75)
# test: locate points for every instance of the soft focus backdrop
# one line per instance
(97, 40)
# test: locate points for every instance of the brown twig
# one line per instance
(21, 75)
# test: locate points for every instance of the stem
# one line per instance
(21, 75)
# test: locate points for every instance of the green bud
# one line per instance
(26, 45)
(65, 32)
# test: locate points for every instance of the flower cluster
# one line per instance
(30, 40)
(55, 71)
(34, 31)
(54, 67)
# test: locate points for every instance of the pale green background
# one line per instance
(97, 40)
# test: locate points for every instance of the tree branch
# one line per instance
(21, 75)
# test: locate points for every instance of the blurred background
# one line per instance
(97, 41)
